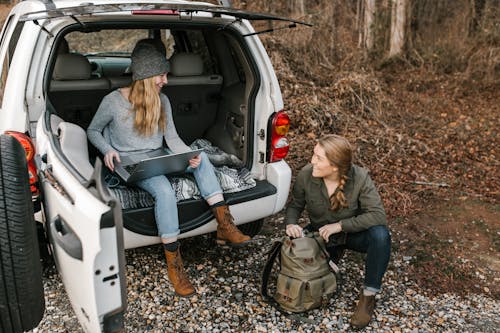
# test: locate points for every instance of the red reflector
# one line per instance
(33, 178)
(279, 149)
(155, 12)
(279, 153)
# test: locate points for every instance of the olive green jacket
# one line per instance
(364, 209)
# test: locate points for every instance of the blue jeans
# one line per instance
(167, 219)
(376, 243)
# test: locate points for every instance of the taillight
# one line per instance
(278, 144)
(29, 148)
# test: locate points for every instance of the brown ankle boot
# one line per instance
(177, 275)
(227, 232)
(364, 311)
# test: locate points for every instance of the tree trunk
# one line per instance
(368, 24)
(477, 9)
(359, 20)
(398, 23)
(298, 7)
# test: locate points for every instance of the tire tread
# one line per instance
(21, 290)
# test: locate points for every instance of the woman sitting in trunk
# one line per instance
(345, 207)
(137, 119)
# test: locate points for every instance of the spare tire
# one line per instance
(21, 290)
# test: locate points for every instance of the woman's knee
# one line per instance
(204, 157)
(164, 193)
(160, 189)
(204, 164)
(164, 190)
(380, 234)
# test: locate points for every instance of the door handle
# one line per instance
(66, 238)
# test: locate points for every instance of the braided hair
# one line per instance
(339, 153)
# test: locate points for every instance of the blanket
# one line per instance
(231, 180)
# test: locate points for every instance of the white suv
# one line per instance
(58, 59)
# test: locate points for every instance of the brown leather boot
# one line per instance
(364, 311)
(177, 275)
(227, 232)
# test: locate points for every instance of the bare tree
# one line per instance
(477, 10)
(367, 11)
(297, 7)
(398, 23)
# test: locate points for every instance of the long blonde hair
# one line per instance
(146, 105)
(338, 151)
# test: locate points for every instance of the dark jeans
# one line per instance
(376, 243)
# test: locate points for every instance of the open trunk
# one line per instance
(212, 88)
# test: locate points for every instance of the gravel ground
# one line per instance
(228, 297)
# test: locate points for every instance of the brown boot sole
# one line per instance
(225, 242)
(186, 295)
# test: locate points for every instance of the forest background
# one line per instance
(414, 85)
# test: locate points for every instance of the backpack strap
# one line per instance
(333, 267)
(273, 253)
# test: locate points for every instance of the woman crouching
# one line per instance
(345, 207)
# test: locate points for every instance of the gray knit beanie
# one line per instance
(147, 62)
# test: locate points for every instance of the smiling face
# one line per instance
(322, 168)
(160, 81)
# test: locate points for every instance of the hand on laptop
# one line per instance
(108, 159)
(195, 161)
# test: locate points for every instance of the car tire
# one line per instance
(252, 228)
(22, 301)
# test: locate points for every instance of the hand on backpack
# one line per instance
(329, 229)
(294, 230)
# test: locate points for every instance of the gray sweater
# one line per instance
(112, 128)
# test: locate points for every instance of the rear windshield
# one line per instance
(105, 41)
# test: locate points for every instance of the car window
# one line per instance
(168, 39)
(10, 52)
(191, 40)
(106, 42)
(199, 46)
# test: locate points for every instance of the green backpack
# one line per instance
(306, 280)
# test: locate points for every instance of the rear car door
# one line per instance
(84, 225)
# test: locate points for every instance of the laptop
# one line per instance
(145, 165)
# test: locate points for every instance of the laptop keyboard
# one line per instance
(130, 168)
